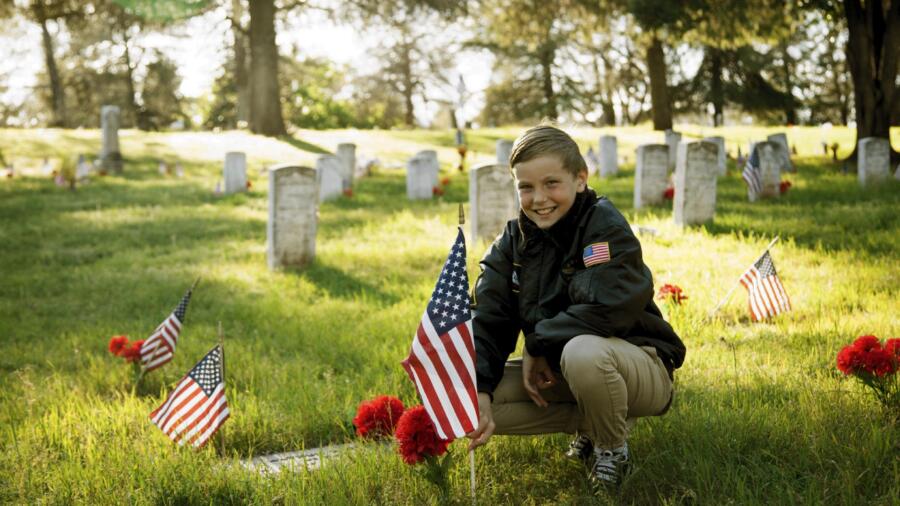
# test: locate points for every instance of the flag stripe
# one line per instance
(430, 398)
(222, 415)
(198, 416)
(453, 383)
(443, 385)
(185, 383)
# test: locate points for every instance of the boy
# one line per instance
(568, 274)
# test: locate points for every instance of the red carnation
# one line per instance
(133, 352)
(784, 186)
(437, 191)
(417, 436)
(348, 192)
(117, 345)
(378, 417)
(849, 359)
(669, 194)
(671, 292)
(867, 343)
(892, 346)
(445, 181)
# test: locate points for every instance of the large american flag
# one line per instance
(752, 175)
(767, 295)
(196, 409)
(160, 346)
(442, 360)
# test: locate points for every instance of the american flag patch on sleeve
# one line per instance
(596, 253)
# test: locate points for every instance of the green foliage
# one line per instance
(310, 86)
(761, 415)
(166, 10)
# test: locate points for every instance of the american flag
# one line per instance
(442, 360)
(767, 295)
(196, 409)
(596, 253)
(160, 346)
(751, 175)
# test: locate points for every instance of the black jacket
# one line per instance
(535, 281)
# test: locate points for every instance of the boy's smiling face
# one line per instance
(546, 189)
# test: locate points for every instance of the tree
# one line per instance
(265, 104)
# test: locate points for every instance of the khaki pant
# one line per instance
(607, 384)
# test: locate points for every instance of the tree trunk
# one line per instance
(787, 82)
(547, 55)
(57, 93)
(408, 85)
(265, 104)
(715, 86)
(604, 91)
(873, 48)
(659, 89)
(241, 76)
(136, 113)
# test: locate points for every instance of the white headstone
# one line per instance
(109, 153)
(347, 153)
(235, 172)
(179, 169)
(592, 161)
(328, 175)
(650, 174)
(82, 169)
(162, 168)
(782, 151)
(504, 149)
(770, 163)
(695, 183)
(492, 200)
(47, 167)
(720, 142)
(291, 229)
(874, 163)
(422, 175)
(609, 156)
(672, 140)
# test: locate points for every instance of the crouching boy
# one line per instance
(568, 274)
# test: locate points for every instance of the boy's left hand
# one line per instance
(536, 374)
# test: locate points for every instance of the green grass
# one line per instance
(761, 415)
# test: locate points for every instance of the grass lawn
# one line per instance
(761, 414)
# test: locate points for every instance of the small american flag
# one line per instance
(196, 409)
(751, 175)
(596, 253)
(160, 346)
(442, 360)
(767, 295)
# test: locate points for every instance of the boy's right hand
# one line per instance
(485, 428)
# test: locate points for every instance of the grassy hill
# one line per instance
(761, 415)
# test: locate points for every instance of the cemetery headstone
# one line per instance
(782, 151)
(720, 142)
(493, 200)
(179, 169)
(291, 228)
(163, 168)
(650, 176)
(328, 176)
(609, 156)
(672, 140)
(504, 149)
(347, 153)
(770, 163)
(110, 156)
(47, 167)
(82, 169)
(592, 161)
(874, 164)
(235, 172)
(422, 175)
(695, 183)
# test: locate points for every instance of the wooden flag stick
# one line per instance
(472, 470)
(738, 282)
(195, 283)
(220, 432)
(462, 215)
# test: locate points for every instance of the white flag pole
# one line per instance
(738, 282)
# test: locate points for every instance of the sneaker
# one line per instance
(610, 466)
(581, 448)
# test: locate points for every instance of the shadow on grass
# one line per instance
(339, 284)
(303, 145)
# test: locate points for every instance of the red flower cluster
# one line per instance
(866, 356)
(348, 192)
(437, 191)
(671, 293)
(249, 185)
(784, 186)
(378, 417)
(417, 436)
(120, 347)
(669, 194)
(445, 181)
